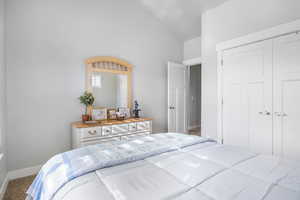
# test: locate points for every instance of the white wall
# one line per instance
(2, 97)
(192, 48)
(47, 42)
(230, 20)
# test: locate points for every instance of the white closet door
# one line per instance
(247, 97)
(287, 96)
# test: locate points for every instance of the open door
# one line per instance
(177, 75)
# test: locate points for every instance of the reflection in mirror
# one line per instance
(109, 89)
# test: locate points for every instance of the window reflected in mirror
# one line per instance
(109, 89)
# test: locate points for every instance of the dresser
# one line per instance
(84, 134)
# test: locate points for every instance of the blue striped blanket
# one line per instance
(64, 167)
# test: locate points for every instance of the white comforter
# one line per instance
(206, 171)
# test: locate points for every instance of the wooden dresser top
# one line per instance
(108, 122)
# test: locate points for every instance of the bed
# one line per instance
(167, 166)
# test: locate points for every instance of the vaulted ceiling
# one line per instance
(182, 16)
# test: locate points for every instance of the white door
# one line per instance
(247, 97)
(177, 74)
(287, 96)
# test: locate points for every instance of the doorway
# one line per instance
(184, 98)
(194, 100)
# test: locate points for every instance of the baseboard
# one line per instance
(3, 187)
(20, 173)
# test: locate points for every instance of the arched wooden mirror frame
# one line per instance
(111, 65)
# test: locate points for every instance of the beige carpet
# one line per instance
(16, 189)
(195, 131)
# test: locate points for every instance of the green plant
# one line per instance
(87, 99)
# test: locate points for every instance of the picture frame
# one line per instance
(99, 114)
(112, 113)
(124, 111)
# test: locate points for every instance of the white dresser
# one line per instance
(110, 130)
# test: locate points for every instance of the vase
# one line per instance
(89, 110)
(85, 118)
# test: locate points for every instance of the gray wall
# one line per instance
(2, 97)
(233, 19)
(47, 42)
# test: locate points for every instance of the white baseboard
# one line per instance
(3, 187)
(20, 173)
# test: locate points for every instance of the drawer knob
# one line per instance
(94, 132)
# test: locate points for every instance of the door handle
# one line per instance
(264, 113)
(267, 113)
(280, 114)
(171, 107)
(277, 114)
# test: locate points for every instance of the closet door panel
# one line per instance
(234, 107)
(233, 116)
(247, 94)
(260, 133)
(287, 96)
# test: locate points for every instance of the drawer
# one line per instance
(143, 126)
(132, 127)
(90, 132)
(119, 129)
(106, 130)
(100, 141)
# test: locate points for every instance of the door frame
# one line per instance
(187, 63)
(271, 33)
(193, 61)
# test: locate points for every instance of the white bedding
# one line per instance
(201, 172)
(232, 184)
(224, 154)
(188, 168)
(142, 181)
(271, 169)
(88, 187)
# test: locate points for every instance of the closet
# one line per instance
(261, 96)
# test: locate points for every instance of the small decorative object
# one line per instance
(136, 109)
(85, 118)
(99, 114)
(124, 112)
(87, 99)
(120, 116)
(111, 113)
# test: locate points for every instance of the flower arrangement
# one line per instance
(86, 99)
(136, 109)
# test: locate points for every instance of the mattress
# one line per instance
(206, 171)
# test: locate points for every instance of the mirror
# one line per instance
(109, 89)
(109, 79)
